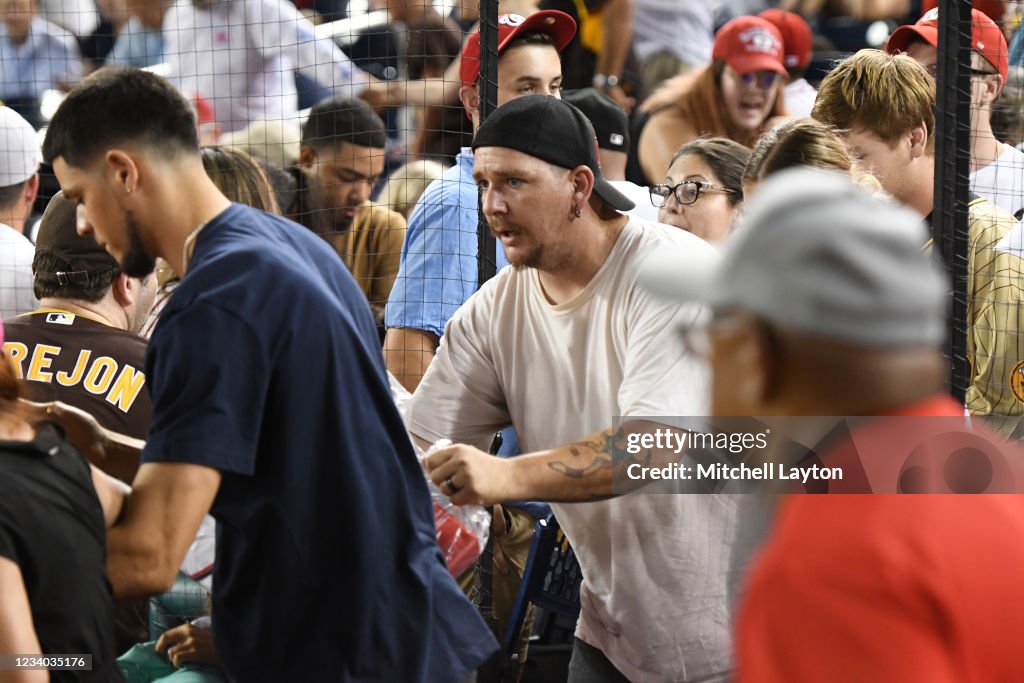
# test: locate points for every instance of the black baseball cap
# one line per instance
(82, 257)
(610, 123)
(551, 130)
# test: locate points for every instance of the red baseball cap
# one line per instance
(796, 36)
(559, 25)
(749, 44)
(986, 38)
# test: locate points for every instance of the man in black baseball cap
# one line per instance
(82, 345)
(555, 346)
(549, 130)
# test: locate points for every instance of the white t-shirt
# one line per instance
(685, 29)
(78, 16)
(16, 254)
(800, 96)
(656, 568)
(641, 197)
(1002, 181)
(242, 55)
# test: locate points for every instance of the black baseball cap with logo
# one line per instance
(551, 130)
(82, 258)
(610, 123)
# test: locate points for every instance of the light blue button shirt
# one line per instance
(48, 55)
(438, 270)
(137, 45)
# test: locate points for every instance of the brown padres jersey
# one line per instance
(995, 315)
(87, 364)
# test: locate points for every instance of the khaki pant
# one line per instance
(511, 550)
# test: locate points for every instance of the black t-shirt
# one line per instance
(84, 363)
(51, 525)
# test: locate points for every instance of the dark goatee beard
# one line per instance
(136, 262)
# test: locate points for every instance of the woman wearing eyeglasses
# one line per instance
(735, 97)
(703, 189)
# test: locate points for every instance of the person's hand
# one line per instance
(377, 95)
(468, 476)
(83, 431)
(188, 643)
(80, 428)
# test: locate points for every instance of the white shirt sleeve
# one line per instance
(660, 377)
(460, 397)
(279, 29)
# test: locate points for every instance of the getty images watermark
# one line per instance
(682, 442)
(823, 454)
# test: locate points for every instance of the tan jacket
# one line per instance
(372, 249)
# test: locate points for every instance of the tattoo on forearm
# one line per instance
(603, 451)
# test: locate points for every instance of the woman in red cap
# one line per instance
(735, 96)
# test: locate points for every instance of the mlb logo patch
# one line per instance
(615, 139)
(60, 318)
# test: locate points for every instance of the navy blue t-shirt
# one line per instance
(266, 366)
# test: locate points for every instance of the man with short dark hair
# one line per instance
(19, 183)
(271, 410)
(82, 346)
(340, 159)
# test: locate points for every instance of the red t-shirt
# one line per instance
(888, 588)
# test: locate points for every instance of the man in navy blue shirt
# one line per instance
(271, 410)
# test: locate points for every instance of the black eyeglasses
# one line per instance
(686, 192)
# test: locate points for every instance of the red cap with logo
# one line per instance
(796, 36)
(559, 25)
(986, 38)
(749, 44)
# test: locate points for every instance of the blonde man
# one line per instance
(997, 169)
(896, 144)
